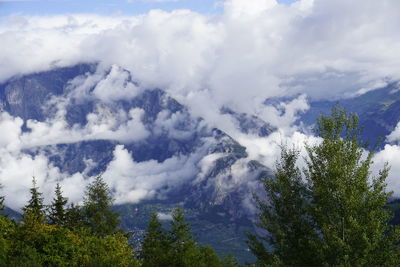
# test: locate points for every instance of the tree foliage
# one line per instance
(58, 214)
(74, 219)
(332, 212)
(57, 241)
(34, 211)
(176, 247)
(80, 237)
(155, 246)
(182, 243)
(97, 208)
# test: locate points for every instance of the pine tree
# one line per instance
(332, 213)
(177, 247)
(74, 219)
(285, 217)
(183, 245)
(208, 258)
(156, 250)
(97, 212)
(57, 214)
(34, 212)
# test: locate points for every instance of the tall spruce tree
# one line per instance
(177, 247)
(156, 249)
(34, 211)
(74, 218)
(97, 211)
(336, 215)
(285, 217)
(183, 245)
(57, 213)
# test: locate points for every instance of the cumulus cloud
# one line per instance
(116, 86)
(17, 167)
(17, 170)
(391, 155)
(133, 181)
(394, 136)
(285, 114)
(241, 9)
(101, 125)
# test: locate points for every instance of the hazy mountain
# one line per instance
(90, 120)
(378, 111)
(85, 120)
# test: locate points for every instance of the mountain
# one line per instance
(93, 120)
(90, 120)
(378, 111)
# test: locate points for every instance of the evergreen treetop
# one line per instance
(156, 249)
(97, 208)
(333, 212)
(183, 244)
(34, 210)
(57, 214)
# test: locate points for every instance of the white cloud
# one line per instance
(116, 86)
(143, 180)
(390, 154)
(10, 129)
(285, 115)
(164, 216)
(17, 170)
(239, 8)
(102, 125)
(395, 134)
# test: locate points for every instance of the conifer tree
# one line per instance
(177, 247)
(97, 212)
(183, 245)
(74, 217)
(335, 216)
(208, 258)
(156, 250)
(34, 212)
(57, 214)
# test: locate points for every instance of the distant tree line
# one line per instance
(89, 235)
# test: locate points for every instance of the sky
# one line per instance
(236, 54)
(108, 7)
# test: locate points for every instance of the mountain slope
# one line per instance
(90, 120)
(378, 111)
